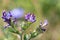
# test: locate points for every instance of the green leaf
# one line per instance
(11, 30)
(34, 34)
(26, 37)
(25, 26)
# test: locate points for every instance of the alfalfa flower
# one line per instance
(27, 16)
(17, 13)
(30, 17)
(13, 15)
(7, 17)
(42, 25)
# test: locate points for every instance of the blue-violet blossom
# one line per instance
(12, 15)
(30, 17)
(17, 13)
(6, 17)
(42, 25)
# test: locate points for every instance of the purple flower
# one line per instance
(45, 23)
(6, 17)
(27, 16)
(42, 25)
(30, 17)
(17, 13)
(12, 15)
(4, 14)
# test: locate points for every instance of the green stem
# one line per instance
(21, 36)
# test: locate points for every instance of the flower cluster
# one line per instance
(7, 17)
(11, 18)
(42, 25)
(30, 17)
(37, 31)
(12, 15)
(17, 13)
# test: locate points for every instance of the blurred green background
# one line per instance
(43, 9)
